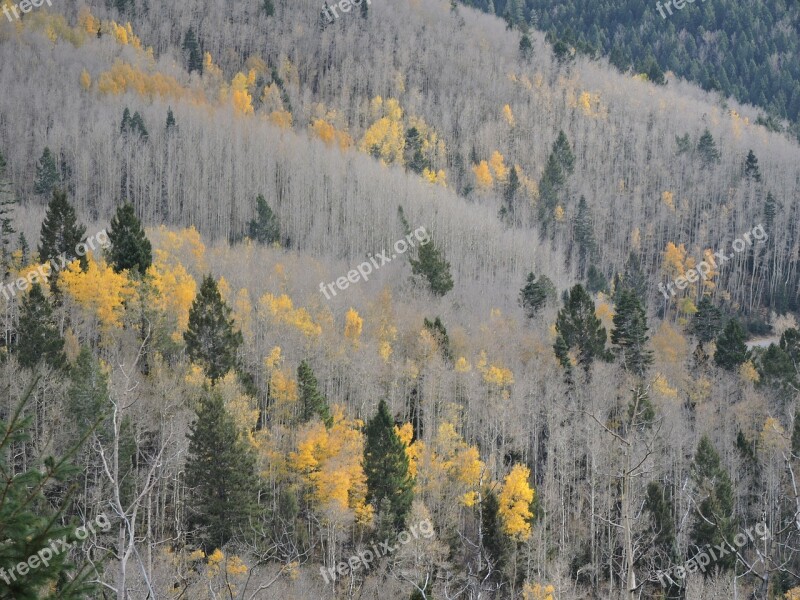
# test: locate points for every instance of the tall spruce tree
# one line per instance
(29, 524)
(580, 328)
(264, 229)
(707, 321)
(312, 402)
(584, 236)
(46, 173)
(220, 475)
(60, 235)
(630, 333)
(38, 338)
(130, 248)
(7, 204)
(534, 295)
(211, 339)
(751, 170)
(193, 54)
(560, 165)
(386, 467)
(88, 393)
(437, 329)
(707, 149)
(432, 266)
(495, 542)
(731, 348)
(714, 521)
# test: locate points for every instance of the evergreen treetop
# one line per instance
(386, 467)
(130, 248)
(211, 338)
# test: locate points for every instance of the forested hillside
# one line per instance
(401, 302)
(744, 50)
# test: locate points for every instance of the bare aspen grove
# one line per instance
(581, 383)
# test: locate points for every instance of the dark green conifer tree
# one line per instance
(130, 248)
(211, 338)
(312, 402)
(751, 170)
(386, 467)
(580, 328)
(46, 173)
(125, 127)
(29, 524)
(220, 476)
(60, 234)
(170, 119)
(87, 395)
(268, 7)
(534, 295)
(584, 236)
(7, 204)
(714, 521)
(439, 333)
(38, 338)
(707, 321)
(192, 52)
(731, 348)
(630, 333)
(264, 229)
(495, 541)
(707, 149)
(596, 281)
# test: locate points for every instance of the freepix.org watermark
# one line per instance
(366, 557)
(702, 560)
(704, 268)
(343, 5)
(364, 269)
(678, 4)
(54, 548)
(54, 266)
(25, 6)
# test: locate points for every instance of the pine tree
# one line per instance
(211, 339)
(581, 329)
(494, 540)
(584, 236)
(7, 204)
(88, 394)
(220, 474)
(46, 173)
(38, 338)
(130, 248)
(386, 467)
(170, 119)
(268, 7)
(125, 127)
(707, 148)
(731, 348)
(60, 234)
(534, 295)
(137, 126)
(770, 210)
(510, 192)
(525, 47)
(630, 333)
(634, 279)
(796, 434)
(658, 503)
(560, 165)
(751, 170)
(191, 48)
(312, 402)
(432, 265)
(596, 281)
(714, 522)
(265, 228)
(707, 321)
(439, 333)
(364, 10)
(28, 523)
(413, 150)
